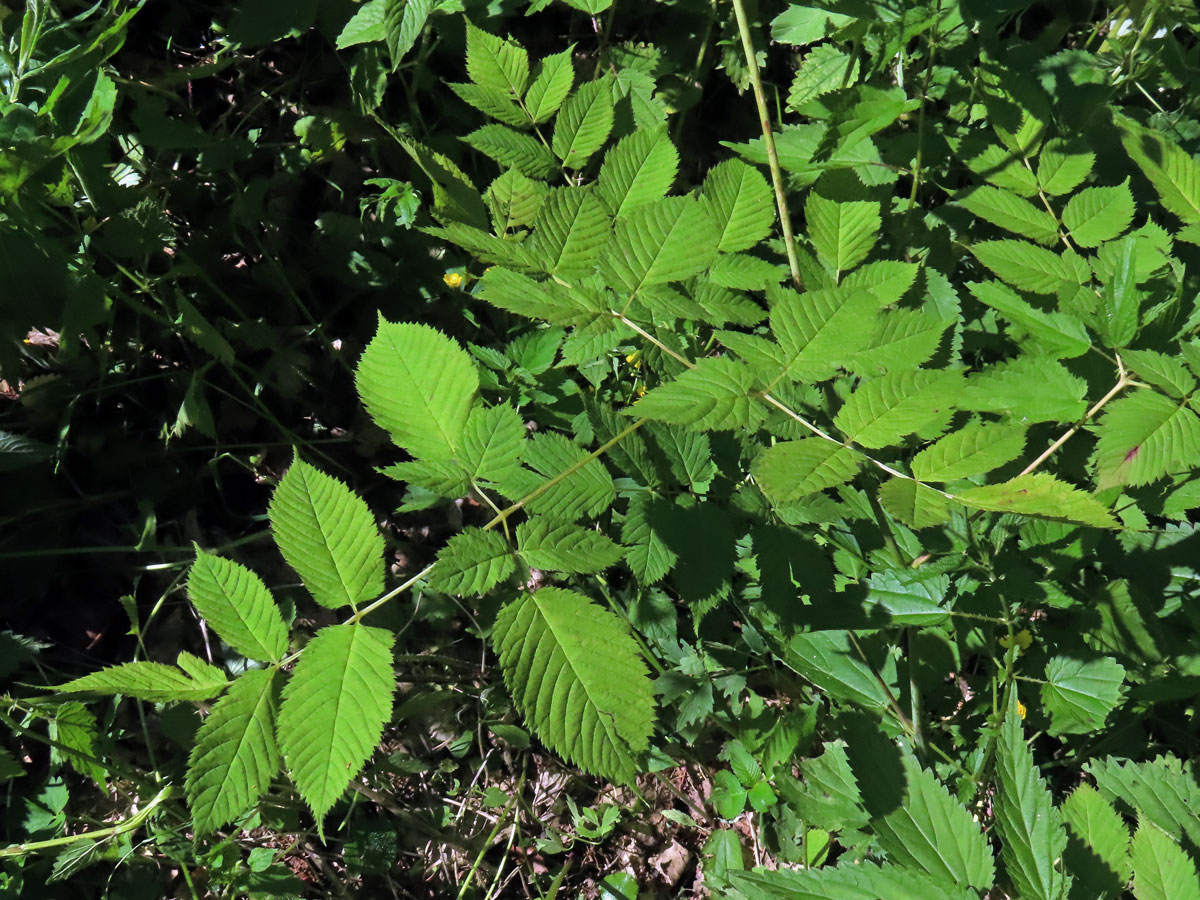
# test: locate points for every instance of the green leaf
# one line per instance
(713, 396)
(1170, 168)
(1029, 389)
(1120, 301)
(491, 102)
(1042, 496)
(1080, 695)
(915, 504)
(1054, 333)
(639, 169)
(522, 295)
(744, 272)
(576, 676)
(564, 547)
(550, 85)
(472, 562)
(1098, 844)
(842, 233)
(1162, 869)
(441, 478)
(234, 757)
(793, 469)
(728, 797)
(740, 202)
(584, 123)
(934, 833)
(1027, 266)
(364, 26)
(492, 443)
(972, 450)
(825, 68)
(514, 200)
(1099, 214)
(1142, 438)
(1032, 837)
(723, 853)
(496, 62)
(821, 330)
(570, 231)
(404, 26)
(1164, 791)
(77, 732)
(334, 708)
(882, 410)
(847, 881)
(237, 604)
(154, 681)
(667, 240)
(419, 386)
(328, 535)
(826, 659)
(910, 596)
(512, 149)
(831, 798)
(903, 339)
(1160, 370)
(888, 279)
(586, 491)
(1062, 167)
(1007, 210)
(648, 555)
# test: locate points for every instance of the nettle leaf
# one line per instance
(648, 555)
(586, 491)
(1170, 168)
(1163, 790)
(827, 660)
(846, 881)
(1143, 437)
(818, 331)
(972, 450)
(328, 535)
(1057, 334)
(1162, 870)
(492, 443)
(915, 504)
(1032, 837)
(546, 543)
(1030, 267)
(842, 233)
(1011, 212)
(512, 149)
(935, 833)
(193, 680)
(584, 123)
(667, 240)
(793, 469)
(570, 231)
(419, 386)
(740, 201)
(1062, 167)
(334, 708)
(910, 596)
(713, 396)
(882, 410)
(234, 757)
(238, 606)
(492, 102)
(824, 68)
(639, 168)
(577, 678)
(1098, 843)
(496, 62)
(1040, 495)
(1029, 389)
(1099, 214)
(472, 562)
(550, 86)
(831, 798)
(77, 731)
(1079, 695)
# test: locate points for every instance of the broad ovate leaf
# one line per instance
(661, 241)
(577, 677)
(740, 202)
(328, 535)
(238, 606)
(419, 386)
(334, 709)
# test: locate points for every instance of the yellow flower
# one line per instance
(641, 390)
(453, 279)
(1022, 639)
(1021, 710)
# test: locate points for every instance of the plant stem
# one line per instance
(764, 117)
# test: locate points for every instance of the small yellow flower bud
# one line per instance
(1021, 710)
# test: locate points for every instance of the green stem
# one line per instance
(764, 117)
(120, 828)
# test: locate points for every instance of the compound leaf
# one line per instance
(821, 330)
